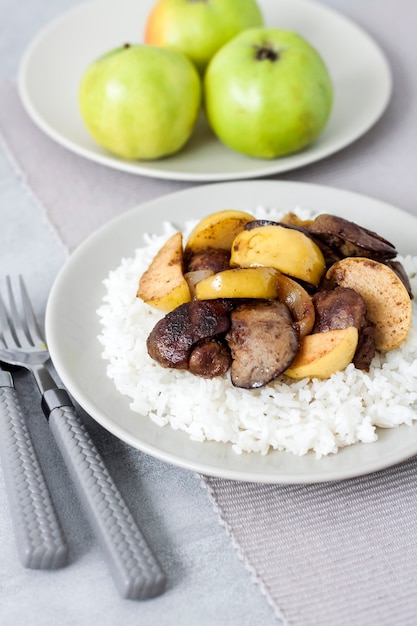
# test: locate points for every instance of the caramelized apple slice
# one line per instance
(286, 249)
(163, 285)
(322, 354)
(253, 282)
(217, 230)
(388, 304)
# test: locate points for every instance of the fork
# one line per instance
(39, 537)
(135, 570)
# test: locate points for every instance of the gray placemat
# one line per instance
(333, 553)
(328, 554)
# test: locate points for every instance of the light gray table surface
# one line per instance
(208, 584)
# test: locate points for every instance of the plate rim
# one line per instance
(171, 457)
(277, 166)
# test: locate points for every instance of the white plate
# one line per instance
(72, 326)
(52, 67)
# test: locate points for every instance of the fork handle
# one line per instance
(39, 537)
(135, 570)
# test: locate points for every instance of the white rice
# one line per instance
(297, 416)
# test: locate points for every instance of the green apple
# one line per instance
(267, 93)
(199, 28)
(140, 102)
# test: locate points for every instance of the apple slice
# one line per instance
(217, 230)
(253, 282)
(322, 354)
(388, 304)
(163, 285)
(286, 249)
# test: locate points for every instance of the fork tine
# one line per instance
(17, 330)
(33, 329)
(5, 327)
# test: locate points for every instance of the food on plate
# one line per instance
(340, 308)
(299, 302)
(209, 359)
(164, 285)
(322, 354)
(140, 102)
(297, 372)
(258, 282)
(173, 338)
(217, 231)
(201, 27)
(287, 249)
(267, 93)
(207, 260)
(263, 342)
(388, 304)
(251, 282)
(355, 308)
(350, 239)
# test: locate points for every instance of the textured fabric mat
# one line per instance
(329, 554)
(332, 553)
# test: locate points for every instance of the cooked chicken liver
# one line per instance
(338, 308)
(209, 359)
(263, 342)
(172, 338)
(349, 239)
(343, 307)
(212, 259)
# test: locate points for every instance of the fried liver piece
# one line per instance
(212, 259)
(171, 340)
(365, 351)
(340, 308)
(349, 239)
(263, 342)
(209, 359)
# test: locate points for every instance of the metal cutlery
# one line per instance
(135, 570)
(40, 540)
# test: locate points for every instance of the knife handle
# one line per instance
(39, 537)
(135, 570)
